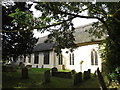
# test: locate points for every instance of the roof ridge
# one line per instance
(82, 26)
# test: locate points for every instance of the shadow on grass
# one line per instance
(36, 75)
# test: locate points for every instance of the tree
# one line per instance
(20, 41)
(61, 14)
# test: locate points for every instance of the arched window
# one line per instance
(29, 58)
(94, 57)
(36, 58)
(71, 58)
(60, 59)
(46, 57)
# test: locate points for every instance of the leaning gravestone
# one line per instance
(47, 76)
(54, 69)
(101, 80)
(25, 73)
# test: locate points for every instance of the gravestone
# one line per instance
(95, 73)
(21, 65)
(85, 77)
(54, 69)
(47, 76)
(29, 66)
(89, 73)
(80, 77)
(73, 72)
(75, 82)
(77, 78)
(101, 80)
(25, 73)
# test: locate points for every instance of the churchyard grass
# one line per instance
(36, 78)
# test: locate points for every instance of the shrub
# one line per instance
(115, 75)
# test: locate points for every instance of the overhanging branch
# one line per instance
(88, 17)
(55, 24)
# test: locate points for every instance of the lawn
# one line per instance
(13, 80)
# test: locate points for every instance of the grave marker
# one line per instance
(54, 69)
(25, 73)
(101, 80)
(77, 78)
(47, 76)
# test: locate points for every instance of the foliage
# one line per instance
(98, 30)
(61, 14)
(57, 17)
(114, 75)
(17, 38)
(110, 54)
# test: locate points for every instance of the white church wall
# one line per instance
(41, 60)
(82, 53)
(51, 59)
(56, 61)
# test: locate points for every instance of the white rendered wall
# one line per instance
(82, 53)
(41, 60)
(51, 59)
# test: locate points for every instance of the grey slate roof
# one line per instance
(80, 37)
(43, 47)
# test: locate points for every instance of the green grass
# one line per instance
(13, 80)
(60, 70)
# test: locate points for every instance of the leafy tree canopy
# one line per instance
(17, 39)
(59, 15)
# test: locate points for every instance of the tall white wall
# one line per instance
(82, 53)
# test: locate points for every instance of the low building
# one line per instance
(84, 57)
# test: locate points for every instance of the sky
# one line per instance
(76, 22)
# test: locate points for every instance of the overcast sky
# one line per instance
(77, 22)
